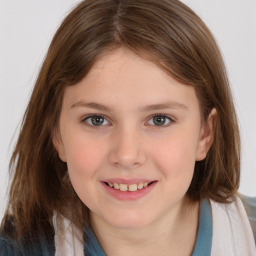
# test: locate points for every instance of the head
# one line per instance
(165, 33)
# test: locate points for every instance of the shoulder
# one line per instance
(231, 227)
(38, 244)
(39, 247)
(250, 207)
(9, 248)
(243, 207)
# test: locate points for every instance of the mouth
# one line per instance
(129, 187)
(129, 190)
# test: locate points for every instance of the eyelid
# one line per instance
(83, 120)
(172, 120)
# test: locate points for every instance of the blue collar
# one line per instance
(203, 241)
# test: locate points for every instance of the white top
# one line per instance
(231, 235)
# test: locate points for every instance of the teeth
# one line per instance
(145, 184)
(133, 187)
(116, 186)
(140, 185)
(125, 187)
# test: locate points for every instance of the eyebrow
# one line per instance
(158, 106)
(92, 105)
(164, 105)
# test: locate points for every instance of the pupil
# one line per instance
(97, 120)
(159, 120)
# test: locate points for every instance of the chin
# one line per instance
(128, 220)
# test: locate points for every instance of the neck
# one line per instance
(173, 234)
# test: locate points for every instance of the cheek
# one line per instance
(84, 157)
(176, 159)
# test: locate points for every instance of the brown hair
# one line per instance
(168, 33)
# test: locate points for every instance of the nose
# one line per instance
(127, 150)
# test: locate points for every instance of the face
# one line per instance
(130, 135)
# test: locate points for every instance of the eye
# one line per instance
(160, 120)
(96, 120)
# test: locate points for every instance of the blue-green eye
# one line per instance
(96, 120)
(160, 120)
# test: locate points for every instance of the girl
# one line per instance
(129, 144)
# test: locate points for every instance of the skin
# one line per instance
(129, 145)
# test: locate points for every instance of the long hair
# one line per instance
(168, 33)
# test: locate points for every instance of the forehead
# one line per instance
(122, 77)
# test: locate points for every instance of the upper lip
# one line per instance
(127, 181)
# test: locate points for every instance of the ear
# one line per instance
(58, 144)
(206, 135)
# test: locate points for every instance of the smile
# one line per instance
(128, 190)
(130, 187)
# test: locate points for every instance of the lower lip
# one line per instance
(129, 195)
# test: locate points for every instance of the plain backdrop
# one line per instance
(26, 29)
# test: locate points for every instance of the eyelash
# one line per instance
(171, 120)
